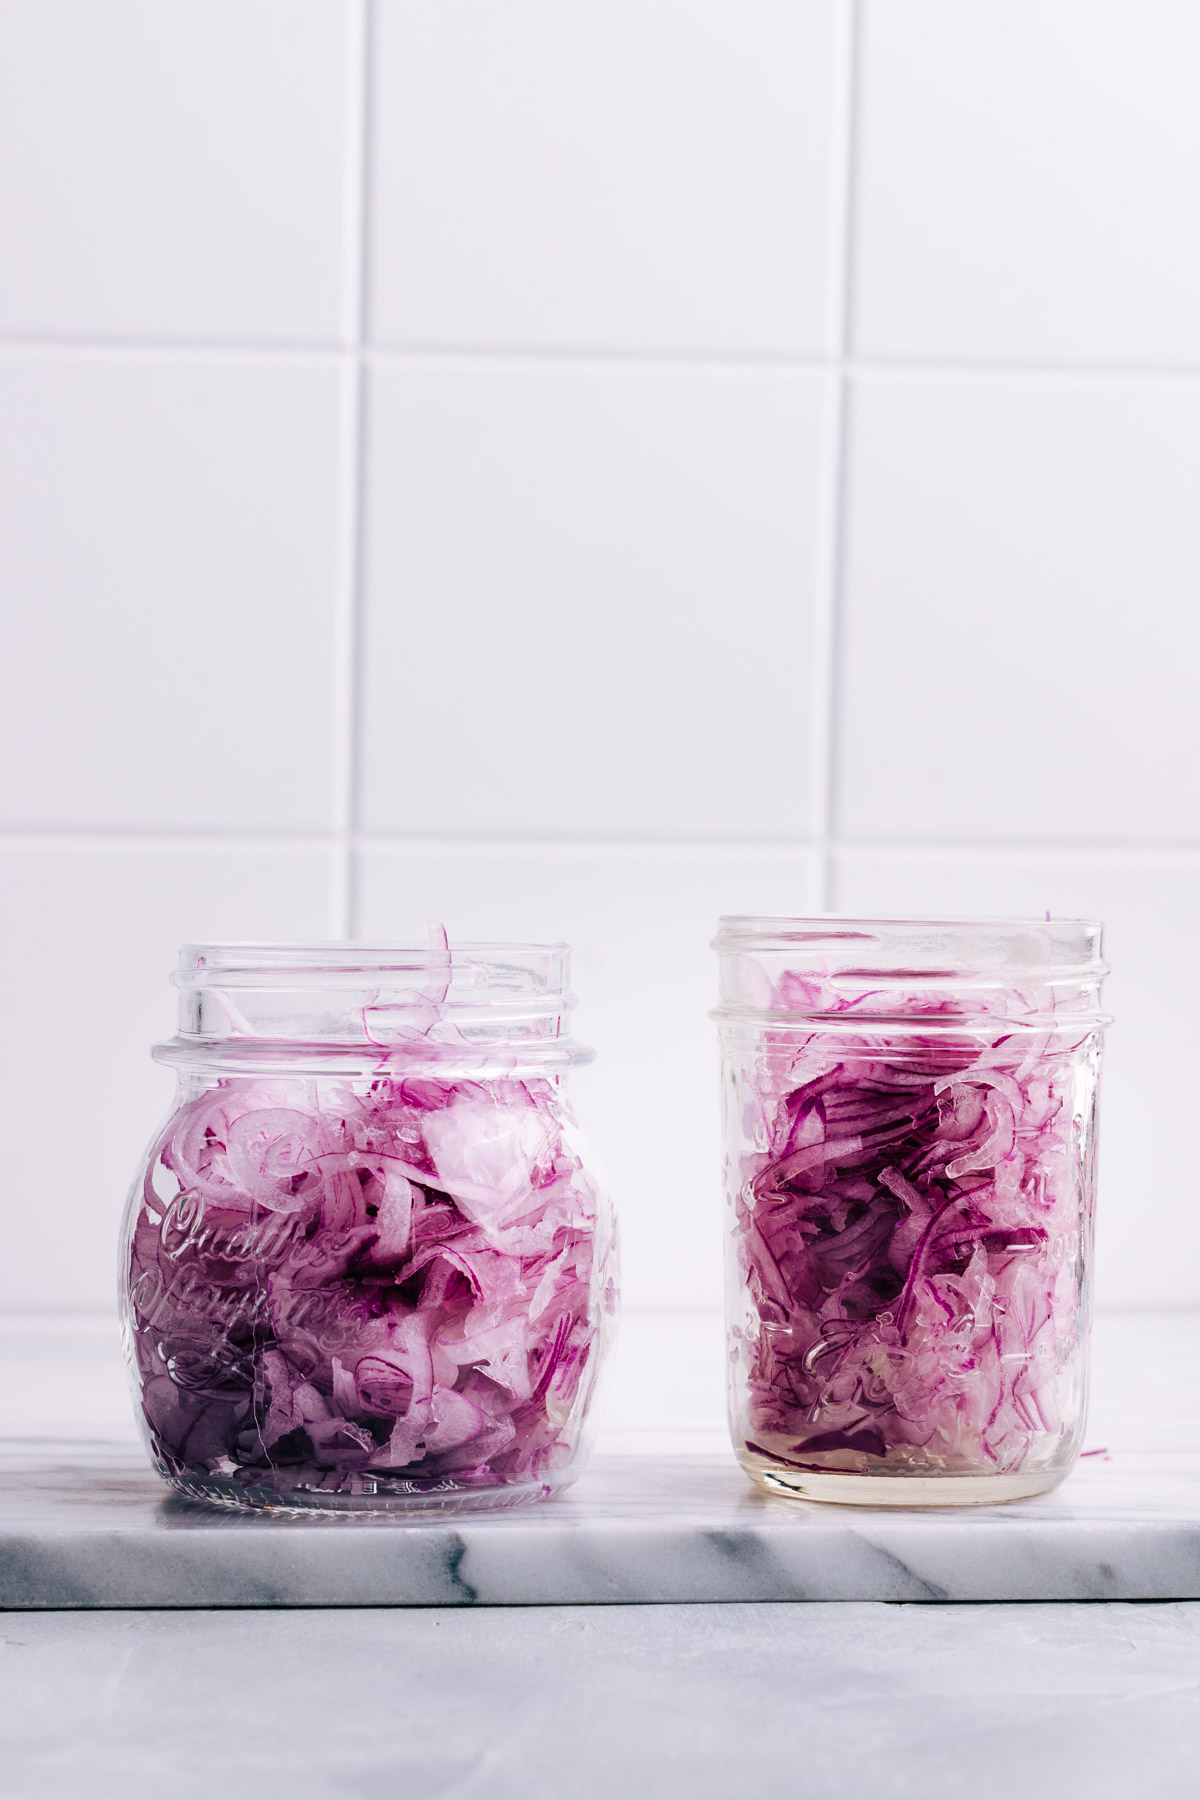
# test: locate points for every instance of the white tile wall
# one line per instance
(571, 579)
(1020, 594)
(168, 561)
(1026, 181)
(574, 470)
(173, 168)
(624, 174)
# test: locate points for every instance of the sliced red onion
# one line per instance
(913, 1219)
(404, 1284)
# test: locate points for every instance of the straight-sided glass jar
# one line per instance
(910, 1120)
(364, 1266)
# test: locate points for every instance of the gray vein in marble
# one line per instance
(91, 1526)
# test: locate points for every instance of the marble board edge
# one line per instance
(579, 1564)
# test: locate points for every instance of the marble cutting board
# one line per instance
(88, 1525)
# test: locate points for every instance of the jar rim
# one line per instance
(937, 971)
(377, 1001)
(542, 969)
(921, 942)
(344, 953)
(818, 924)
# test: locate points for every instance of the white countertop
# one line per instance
(818, 1702)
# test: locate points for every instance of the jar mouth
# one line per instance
(547, 963)
(373, 1000)
(836, 933)
(936, 972)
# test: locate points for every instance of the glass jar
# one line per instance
(910, 1118)
(365, 1267)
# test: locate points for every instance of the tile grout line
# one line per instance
(351, 465)
(831, 526)
(660, 361)
(23, 839)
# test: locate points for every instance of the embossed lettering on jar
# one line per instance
(910, 1119)
(365, 1266)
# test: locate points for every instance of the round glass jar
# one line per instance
(365, 1267)
(910, 1120)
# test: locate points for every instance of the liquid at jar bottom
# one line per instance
(900, 1490)
(212, 1490)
